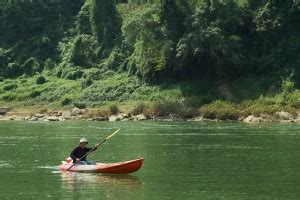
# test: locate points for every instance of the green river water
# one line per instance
(183, 160)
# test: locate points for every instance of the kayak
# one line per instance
(125, 167)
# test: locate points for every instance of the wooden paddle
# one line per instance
(108, 137)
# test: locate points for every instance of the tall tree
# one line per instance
(105, 21)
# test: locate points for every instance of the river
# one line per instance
(183, 160)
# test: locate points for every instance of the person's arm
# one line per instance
(73, 154)
(94, 148)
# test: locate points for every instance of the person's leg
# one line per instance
(90, 162)
(82, 162)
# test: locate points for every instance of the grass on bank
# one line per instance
(121, 93)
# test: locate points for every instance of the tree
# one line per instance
(209, 47)
(31, 66)
(104, 21)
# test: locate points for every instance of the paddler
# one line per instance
(80, 151)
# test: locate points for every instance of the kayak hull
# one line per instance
(126, 167)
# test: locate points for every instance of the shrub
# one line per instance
(9, 97)
(294, 99)
(10, 86)
(168, 107)
(43, 111)
(8, 81)
(261, 105)
(67, 101)
(86, 83)
(40, 80)
(1, 79)
(80, 105)
(74, 75)
(35, 94)
(222, 110)
(81, 50)
(49, 64)
(94, 73)
(114, 109)
(138, 109)
(13, 70)
(71, 73)
(102, 112)
(287, 88)
(31, 66)
(22, 81)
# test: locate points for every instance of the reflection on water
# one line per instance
(108, 184)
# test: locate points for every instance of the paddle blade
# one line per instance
(112, 134)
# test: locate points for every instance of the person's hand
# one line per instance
(97, 145)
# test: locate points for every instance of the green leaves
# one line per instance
(209, 44)
(31, 66)
(156, 40)
(81, 50)
(104, 21)
(143, 35)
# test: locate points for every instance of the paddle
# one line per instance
(108, 137)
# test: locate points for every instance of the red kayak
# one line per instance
(126, 167)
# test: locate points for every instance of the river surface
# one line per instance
(183, 160)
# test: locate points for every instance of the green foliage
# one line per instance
(13, 70)
(35, 94)
(118, 87)
(115, 61)
(212, 41)
(173, 109)
(261, 105)
(220, 110)
(3, 61)
(86, 83)
(40, 80)
(80, 105)
(67, 101)
(82, 51)
(9, 86)
(277, 34)
(49, 65)
(70, 72)
(33, 29)
(138, 109)
(114, 109)
(104, 21)
(173, 53)
(94, 74)
(74, 75)
(143, 33)
(293, 99)
(155, 40)
(287, 86)
(162, 109)
(83, 20)
(31, 66)
(9, 97)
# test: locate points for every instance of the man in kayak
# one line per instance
(80, 151)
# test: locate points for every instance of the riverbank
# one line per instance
(61, 100)
(139, 114)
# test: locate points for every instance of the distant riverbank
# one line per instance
(59, 100)
(140, 113)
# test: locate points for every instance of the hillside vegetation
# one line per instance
(221, 58)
